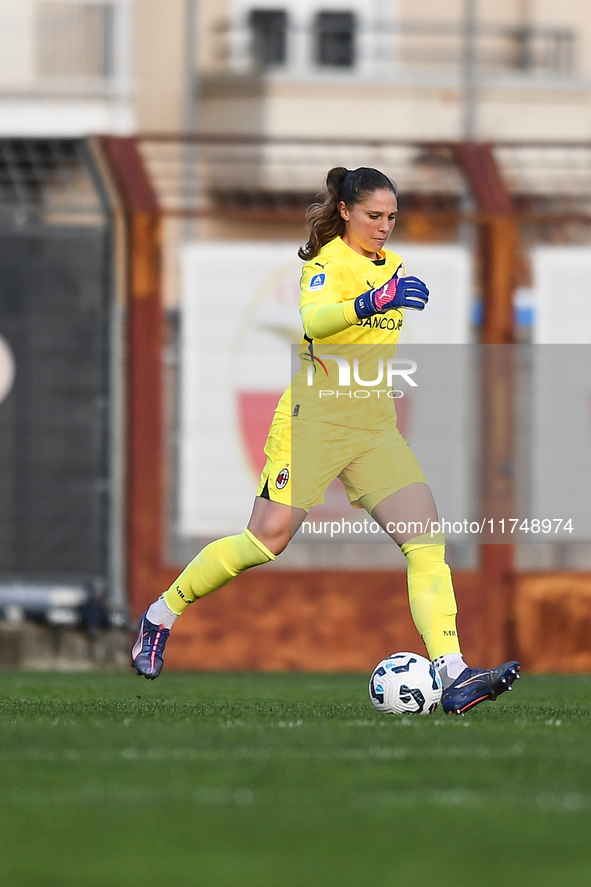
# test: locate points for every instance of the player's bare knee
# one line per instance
(279, 545)
(275, 538)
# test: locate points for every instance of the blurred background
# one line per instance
(156, 154)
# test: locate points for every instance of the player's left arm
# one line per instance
(398, 292)
(321, 320)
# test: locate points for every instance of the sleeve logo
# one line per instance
(317, 282)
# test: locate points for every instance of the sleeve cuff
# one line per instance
(349, 312)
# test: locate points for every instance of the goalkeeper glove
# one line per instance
(399, 292)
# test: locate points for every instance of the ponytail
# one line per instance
(324, 217)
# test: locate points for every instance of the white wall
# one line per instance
(17, 61)
(561, 388)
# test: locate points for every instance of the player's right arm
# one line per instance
(322, 308)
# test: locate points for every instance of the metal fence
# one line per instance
(212, 174)
(47, 181)
(60, 503)
(205, 175)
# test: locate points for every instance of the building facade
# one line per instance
(419, 69)
(399, 68)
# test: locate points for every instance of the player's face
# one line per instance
(370, 222)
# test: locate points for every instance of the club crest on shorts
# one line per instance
(282, 479)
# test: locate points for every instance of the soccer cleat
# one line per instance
(477, 685)
(147, 655)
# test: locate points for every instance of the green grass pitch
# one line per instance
(288, 780)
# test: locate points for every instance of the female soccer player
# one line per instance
(353, 293)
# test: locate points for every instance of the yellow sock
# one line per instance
(214, 566)
(431, 595)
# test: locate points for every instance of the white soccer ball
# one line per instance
(405, 683)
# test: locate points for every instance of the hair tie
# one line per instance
(344, 180)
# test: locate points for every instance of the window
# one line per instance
(268, 28)
(335, 39)
(76, 40)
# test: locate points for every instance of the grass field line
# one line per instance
(458, 797)
(280, 753)
(95, 793)
(52, 713)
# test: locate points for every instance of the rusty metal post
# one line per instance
(498, 258)
(498, 381)
(144, 372)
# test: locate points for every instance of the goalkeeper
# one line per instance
(353, 296)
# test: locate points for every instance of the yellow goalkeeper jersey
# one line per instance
(345, 376)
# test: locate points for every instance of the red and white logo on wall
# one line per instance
(6, 368)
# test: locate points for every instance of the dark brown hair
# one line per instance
(349, 185)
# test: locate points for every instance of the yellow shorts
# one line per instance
(303, 457)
